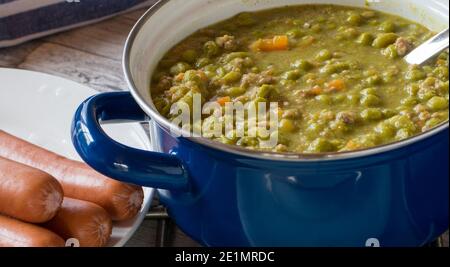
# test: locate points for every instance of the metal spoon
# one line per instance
(429, 49)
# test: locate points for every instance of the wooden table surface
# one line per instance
(92, 56)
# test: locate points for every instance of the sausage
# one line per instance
(87, 222)
(15, 233)
(122, 201)
(28, 194)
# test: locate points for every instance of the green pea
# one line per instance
(353, 98)
(302, 64)
(387, 26)
(231, 77)
(314, 129)
(202, 62)
(388, 113)
(160, 103)
(441, 72)
(211, 49)
(413, 89)
(369, 140)
(298, 22)
(371, 114)
(384, 39)
(403, 134)
(385, 130)
(370, 100)
(286, 126)
(294, 33)
(431, 123)
(324, 99)
(426, 95)
(415, 75)
(190, 56)
(331, 26)
(365, 39)
(316, 28)
(354, 19)
(292, 75)
(180, 67)
(335, 68)
(321, 145)
(229, 57)
(192, 76)
(265, 90)
(402, 121)
(409, 101)
(339, 98)
(323, 55)
(443, 87)
(369, 91)
(437, 103)
(236, 91)
(391, 52)
(374, 80)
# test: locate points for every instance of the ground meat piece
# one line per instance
(237, 64)
(249, 79)
(291, 114)
(327, 116)
(227, 42)
(266, 80)
(424, 115)
(346, 117)
(266, 77)
(257, 79)
(420, 108)
(403, 46)
(164, 84)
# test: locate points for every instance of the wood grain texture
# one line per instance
(106, 39)
(100, 73)
(11, 57)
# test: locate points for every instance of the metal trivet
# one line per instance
(165, 228)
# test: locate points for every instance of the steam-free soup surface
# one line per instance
(337, 74)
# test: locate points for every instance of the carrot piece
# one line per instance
(223, 100)
(280, 42)
(336, 85)
(277, 43)
(179, 77)
(315, 91)
(202, 75)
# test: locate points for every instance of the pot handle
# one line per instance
(130, 165)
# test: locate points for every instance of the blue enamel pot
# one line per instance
(394, 195)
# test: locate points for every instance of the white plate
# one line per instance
(39, 108)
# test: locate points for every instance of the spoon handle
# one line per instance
(428, 49)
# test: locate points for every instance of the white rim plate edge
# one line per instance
(39, 107)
